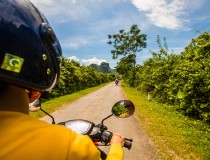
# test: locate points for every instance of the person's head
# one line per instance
(30, 52)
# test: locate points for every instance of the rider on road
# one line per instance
(30, 56)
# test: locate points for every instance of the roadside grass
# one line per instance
(175, 136)
(54, 104)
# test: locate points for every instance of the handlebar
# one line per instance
(106, 137)
(128, 143)
(98, 133)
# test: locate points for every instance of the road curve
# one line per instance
(96, 106)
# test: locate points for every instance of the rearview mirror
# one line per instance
(123, 109)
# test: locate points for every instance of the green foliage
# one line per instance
(120, 110)
(175, 135)
(127, 44)
(181, 80)
(192, 76)
(75, 77)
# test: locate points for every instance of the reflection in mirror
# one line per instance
(123, 108)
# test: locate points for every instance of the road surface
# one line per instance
(96, 106)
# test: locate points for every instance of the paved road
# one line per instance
(96, 106)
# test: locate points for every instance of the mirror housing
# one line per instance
(123, 109)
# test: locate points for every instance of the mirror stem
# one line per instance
(102, 122)
(53, 121)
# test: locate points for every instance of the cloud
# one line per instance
(74, 58)
(170, 14)
(73, 10)
(75, 43)
(62, 11)
(93, 60)
(164, 13)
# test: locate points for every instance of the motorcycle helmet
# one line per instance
(30, 52)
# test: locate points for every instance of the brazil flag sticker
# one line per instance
(12, 63)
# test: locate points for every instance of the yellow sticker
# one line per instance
(12, 63)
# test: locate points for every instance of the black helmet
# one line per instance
(30, 52)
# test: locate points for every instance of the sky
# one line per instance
(83, 26)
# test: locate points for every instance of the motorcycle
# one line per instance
(99, 133)
(117, 81)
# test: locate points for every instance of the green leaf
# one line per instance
(181, 95)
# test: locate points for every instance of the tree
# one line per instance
(193, 78)
(182, 80)
(75, 77)
(127, 44)
(163, 49)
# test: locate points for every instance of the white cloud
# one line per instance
(62, 11)
(74, 10)
(93, 60)
(168, 14)
(89, 61)
(75, 43)
(164, 13)
(73, 58)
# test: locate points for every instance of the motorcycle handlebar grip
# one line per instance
(128, 144)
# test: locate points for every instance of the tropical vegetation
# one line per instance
(127, 45)
(175, 136)
(178, 116)
(75, 77)
(182, 80)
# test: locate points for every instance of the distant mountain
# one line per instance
(103, 67)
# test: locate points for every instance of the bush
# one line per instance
(181, 80)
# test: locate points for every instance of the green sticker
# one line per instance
(12, 63)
